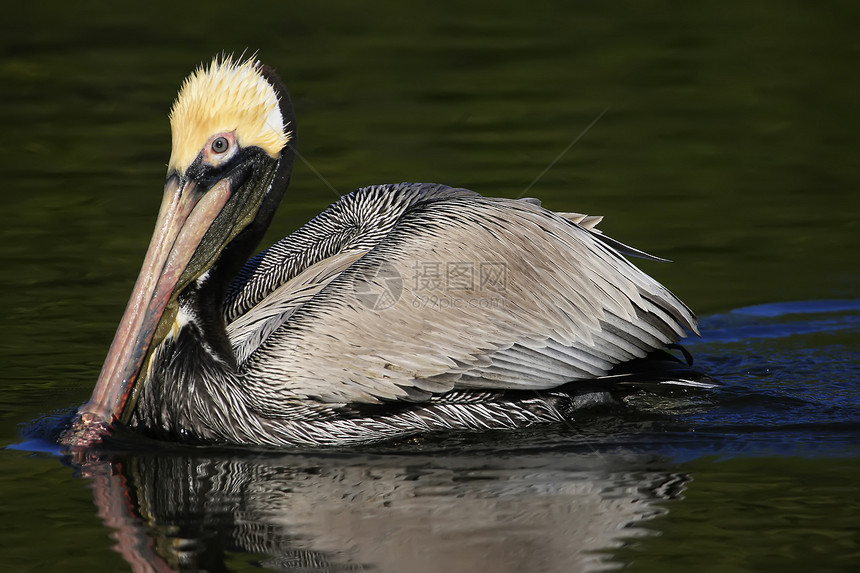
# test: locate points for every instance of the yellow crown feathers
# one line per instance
(223, 97)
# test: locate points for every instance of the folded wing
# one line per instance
(461, 292)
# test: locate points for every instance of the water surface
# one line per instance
(728, 143)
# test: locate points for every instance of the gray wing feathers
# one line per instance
(251, 329)
(358, 221)
(562, 305)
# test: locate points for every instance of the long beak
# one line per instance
(184, 218)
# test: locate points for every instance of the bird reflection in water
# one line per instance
(357, 512)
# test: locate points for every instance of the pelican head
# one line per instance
(233, 132)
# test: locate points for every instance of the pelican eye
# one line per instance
(220, 145)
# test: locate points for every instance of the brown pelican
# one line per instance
(399, 309)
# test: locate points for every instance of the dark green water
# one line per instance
(730, 143)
